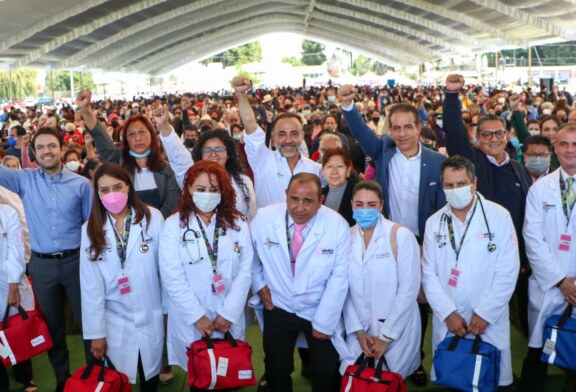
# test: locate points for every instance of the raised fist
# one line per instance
(514, 102)
(83, 99)
(347, 93)
(454, 83)
(241, 84)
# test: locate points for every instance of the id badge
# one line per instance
(565, 240)
(454, 275)
(124, 285)
(218, 284)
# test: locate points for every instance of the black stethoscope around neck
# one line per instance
(491, 245)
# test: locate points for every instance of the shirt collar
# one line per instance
(469, 213)
(413, 158)
(493, 160)
(62, 176)
(565, 175)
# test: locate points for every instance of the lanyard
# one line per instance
(122, 243)
(451, 232)
(563, 192)
(212, 250)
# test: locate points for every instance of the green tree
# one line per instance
(59, 81)
(313, 53)
(361, 66)
(292, 60)
(248, 53)
(23, 83)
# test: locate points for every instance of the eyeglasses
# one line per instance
(489, 135)
(217, 150)
(543, 155)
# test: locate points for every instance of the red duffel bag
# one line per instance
(98, 375)
(215, 364)
(23, 336)
(364, 377)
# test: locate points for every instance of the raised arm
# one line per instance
(517, 119)
(241, 85)
(456, 137)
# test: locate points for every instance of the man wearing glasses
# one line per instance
(501, 178)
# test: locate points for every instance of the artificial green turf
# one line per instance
(44, 375)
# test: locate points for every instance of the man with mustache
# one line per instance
(272, 169)
(56, 203)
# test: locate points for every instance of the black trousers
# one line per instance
(280, 333)
(53, 281)
(534, 372)
(22, 374)
(150, 385)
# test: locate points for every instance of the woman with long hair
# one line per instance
(215, 145)
(119, 279)
(205, 261)
(141, 155)
(336, 168)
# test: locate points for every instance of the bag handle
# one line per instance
(454, 343)
(363, 362)
(565, 316)
(475, 346)
(21, 310)
(227, 336)
(104, 362)
(379, 366)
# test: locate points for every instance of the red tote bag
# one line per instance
(364, 377)
(215, 364)
(98, 375)
(23, 336)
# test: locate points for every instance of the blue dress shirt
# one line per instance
(55, 207)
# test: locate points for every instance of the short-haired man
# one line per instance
(550, 234)
(56, 202)
(300, 274)
(536, 152)
(16, 141)
(272, 169)
(470, 265)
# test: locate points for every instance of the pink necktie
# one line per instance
(297, 241)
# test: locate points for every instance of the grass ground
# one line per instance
(45, 380)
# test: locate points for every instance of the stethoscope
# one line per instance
(185, 241)
(144, 248)
(443, 221)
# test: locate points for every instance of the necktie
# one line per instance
(297, 241)
(570, 194)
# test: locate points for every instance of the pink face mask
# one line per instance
(114, 201)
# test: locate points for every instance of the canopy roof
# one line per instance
(155, 36)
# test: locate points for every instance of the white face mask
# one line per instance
(73, 166)
(546, 112)
(206, 201)
(501, 100)
(460, 197)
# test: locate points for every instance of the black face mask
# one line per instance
(376, 120)
(189, 143)
(205, 128)
(316, 121)
(287, 107)
(498, 113)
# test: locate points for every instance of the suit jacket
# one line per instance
(168, 188)
(345, 208)
(381, 149)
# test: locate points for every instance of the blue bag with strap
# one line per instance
(559, 339)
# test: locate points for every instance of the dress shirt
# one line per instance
(494, 162)
(405, 189)
(55, 207)
(271, 171)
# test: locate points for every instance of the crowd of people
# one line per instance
(342, 218)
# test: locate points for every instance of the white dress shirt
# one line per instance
(404, 189)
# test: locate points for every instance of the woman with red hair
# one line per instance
(153, 178)
(205, 261)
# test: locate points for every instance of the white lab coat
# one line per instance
(189, 284)
(544, 223)
(318, 289)
(487, 279)
(131, 323)
(12, 264)
(385, 288)
(181, 160)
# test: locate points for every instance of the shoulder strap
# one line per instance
(393, 242)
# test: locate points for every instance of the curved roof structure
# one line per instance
(155, 36)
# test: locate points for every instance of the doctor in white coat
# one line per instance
(470, 265)
(300, 275)
(550, 234)
(381, 312)
(205, 261)
(121, 295)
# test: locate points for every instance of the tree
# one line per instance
(292, 60)
(361, 66)
(60, 81)
(248, 53)
(23, 83)
(313, 53)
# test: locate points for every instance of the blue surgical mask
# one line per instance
(12, 141)
(515, 142)
(331, 98)
(366, 218)
(145, 154)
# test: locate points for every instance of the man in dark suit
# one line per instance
(408, 173)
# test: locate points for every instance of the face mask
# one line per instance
(537, 165)
(114, 201)
(331, 98)
(236, 137)
(428, 145)
(316, 121)
(501, 101)
(547, 112)
(475, 141)
(366, 218)
(63, 127)
(145, 154)
(12, 141)
(206, 201)
(460, 98)
(515, 142)
(73, 166)
(460, 197)
(439, 123)
(189, 143)
(206, 128)
(287, 107)
(375, 120)
(306, 112)
(537, 103)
